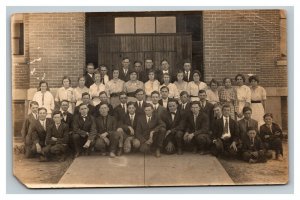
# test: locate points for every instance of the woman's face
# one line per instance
(133, 76)
(213, 86)
(81, 82)
(253, 83)
(227, 83)
(196, 77)
(97, 78)
(268, 120)
(180, 76)
(116, 74)
(239, 81)
(43, 87)
(166, 79)
(151, 76)
(66, 83)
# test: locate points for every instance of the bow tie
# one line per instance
(173, 113)
(84, 117)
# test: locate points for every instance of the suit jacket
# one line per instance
(89, 80)
(82, 127)
(37, 134)
(188, 79)
(143, 129)
(110, 127)
(201, 126)
(218, 129)
(161, 102)
(92, 110)
(248, 147)
(139, 110)
(243, 125)
(68, 121)
(62, 134)
(119, 112)
(187, 108)
(96, 110)
(177, 125)
(29, 120)
(159, 111)
(265, 130)
(122, 76)
(209, 111)
(160, 76)
(126, 122)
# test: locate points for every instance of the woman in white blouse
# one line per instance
(44, 98)
(173, 91)
(66, 92)
(81, 88)
(180, 83)
(213, 92)
(151, 85)
(243, 95)
(95, 89)
(195, 85)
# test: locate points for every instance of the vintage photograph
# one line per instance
(156, 98)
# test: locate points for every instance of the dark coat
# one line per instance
(81, 127)
(218, 129)
(265, 130)
(119, 112)
(29, 120)
(248, 147)
(188, 79)
(159, 111)
(124, 77)
(62, 134)
(68, 121)
(177, 125)
(126, 122)
(243, 124)
(139, 110)
(89, 80)
(209, 111)
(37, 134)
(201, 126)
(110, 112)
(110, 127)
(92, 110)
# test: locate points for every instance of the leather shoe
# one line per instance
(157, 153)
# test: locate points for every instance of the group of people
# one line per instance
(150, 110)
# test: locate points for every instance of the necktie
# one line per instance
(131, 120)
(43, 98)
(226, 125)
(247, 124)
(105, 123)
(125, 71)
(84, 118)
(195, 120)
(44, 125)
(140, 104)
(173, 116)
(148, 119)
(252, 141)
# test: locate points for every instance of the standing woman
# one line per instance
(114, 87)
(227, 95)
(173, 92)
(194, 86)
(44, 98)
(81, 88)
(132, 85)
(66, 92)
(95, 89)
(243, 95)
(258, 100)
(180, 83)
(213, 92)
(151, 85)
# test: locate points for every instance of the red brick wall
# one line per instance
(59, 39)
(243, 42)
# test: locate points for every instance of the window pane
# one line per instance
(145, 25)
(124, 25)
(166, 24)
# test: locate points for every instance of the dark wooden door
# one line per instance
(172, 47)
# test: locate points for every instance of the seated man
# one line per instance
(107, 135)
(252, 150)
(84, 131)
(57, 138)
(150, 131)
(86, 99)
(35, 139)
(31, 117)
(175, 124)
(205, 106)
(164, 92)
(197, 130)
(271, 135)
(247, 122)
(140, 101)
(185, 104)
(121, 110)
(67, 116)
(158, 109)
(104, 99)
(225, 134)
(127, 128)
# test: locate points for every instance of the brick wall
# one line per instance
(243, 42)
(59, 39)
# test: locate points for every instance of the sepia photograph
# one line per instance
(150, 98)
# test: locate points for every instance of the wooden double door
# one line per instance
(176, 47)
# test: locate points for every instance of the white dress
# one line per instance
(193, 90)
(66, 94)
(258, 94)
(78, 94)
(243, 97)
(173, 91)
(95, 91)
(46, 102)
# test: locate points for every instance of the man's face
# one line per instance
(116, 74)
(149, 64)
(86, 99)
(125, 63)
(195, 108)
(165, 65)
(90, 69)
(64, 106)
(140, 96)
(57, 118)
(155, 98)
(42, 115)
(187, 67)
(103, 71)
(226, 111)
(83, 110)
(34, 108)
(151, 76)
(138, 67)
(202, 96)
(131, 109)
(268, 120)
(217, 111)
(123, 98)
(172, 106)
(164, 93)
(184, 98)
(103, 98)
(103, 110)
(148, 111)
(251, 134)
(247, 114)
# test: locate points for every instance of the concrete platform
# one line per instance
(129, 171)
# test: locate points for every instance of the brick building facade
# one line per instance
(223, 43)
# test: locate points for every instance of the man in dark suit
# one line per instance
(205, 106)
(31, 117)
(107, 135)
(187, 66)
(197, 129)
(164, 92)
(36, 138)
(87, 101)
(247, 122)
(121, 110)
(67, 117)
(173, 119)
(137, 65)
(104, 99)
(140, 103)
(165, 69)
(57, 138)
(89, 76)
(127, 127)
(150, 131)
(225, 135)
(84, 131)
(157, 108)
(185, 105)
(124, 70)
(148, 67)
